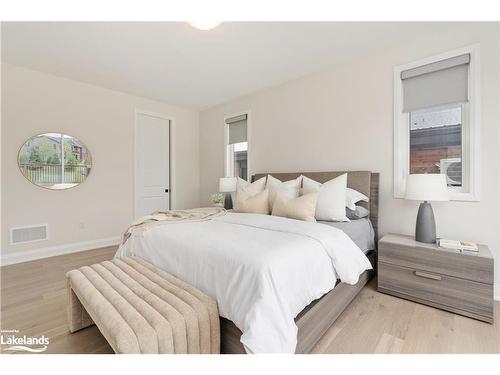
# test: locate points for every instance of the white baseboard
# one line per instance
(46, 252)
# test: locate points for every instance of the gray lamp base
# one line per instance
(228, 201)
(425, 230)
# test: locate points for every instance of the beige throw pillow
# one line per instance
(301, 208)
(289, 189)
(251, 188)
(252, 204)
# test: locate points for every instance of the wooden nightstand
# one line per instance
(420, 272)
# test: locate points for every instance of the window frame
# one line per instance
(227, 167)
(471, 123)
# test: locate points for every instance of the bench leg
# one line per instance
(78, 318)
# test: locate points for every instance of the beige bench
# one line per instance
(141, 309)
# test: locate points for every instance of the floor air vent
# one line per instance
(28, 234)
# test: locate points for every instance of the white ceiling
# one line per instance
(175, 63)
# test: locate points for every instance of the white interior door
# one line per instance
(152, 176)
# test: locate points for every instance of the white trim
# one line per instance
(26, 227)
(471, 142)
(172, 188)
(226, 140)
(496, 292)
(47, 252)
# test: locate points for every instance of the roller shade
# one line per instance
(440, 83)
(237, 129)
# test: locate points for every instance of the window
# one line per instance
(436, 142)
(237, 147)
(436, 121)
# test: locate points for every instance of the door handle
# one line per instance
(428, 275)
(166, 190)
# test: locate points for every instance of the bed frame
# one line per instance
(318, 317)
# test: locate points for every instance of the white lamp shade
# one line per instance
(427, 187)
(227, 184)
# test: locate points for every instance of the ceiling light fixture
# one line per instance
(204, 24)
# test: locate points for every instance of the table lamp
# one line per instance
(227, 185)
(426, 187)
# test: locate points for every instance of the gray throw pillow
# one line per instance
(359, 213)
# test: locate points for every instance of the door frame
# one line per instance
(171, 153)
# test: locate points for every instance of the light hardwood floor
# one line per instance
(34, 302)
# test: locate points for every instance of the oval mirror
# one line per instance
(54, 161)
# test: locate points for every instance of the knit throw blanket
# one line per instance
(140, 226)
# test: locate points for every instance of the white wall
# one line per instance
(34, 103)
(343, 119)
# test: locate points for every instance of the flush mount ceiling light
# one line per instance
(204, 24)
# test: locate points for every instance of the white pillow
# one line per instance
(331, 199)
(251, 188)
(254, 204)
(309, 185)
(301, 208)
(289, 189)
(353, 197)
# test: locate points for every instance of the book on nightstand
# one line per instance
(459, 246)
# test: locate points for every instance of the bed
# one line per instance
(265, 270)
(315, 319)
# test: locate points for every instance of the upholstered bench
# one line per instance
(141, 309)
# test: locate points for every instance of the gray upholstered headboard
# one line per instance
(365, 182)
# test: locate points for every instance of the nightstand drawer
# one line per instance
(458, 295)
(427, 257)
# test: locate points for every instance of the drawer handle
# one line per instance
(428, 275)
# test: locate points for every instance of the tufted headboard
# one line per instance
(365, 182)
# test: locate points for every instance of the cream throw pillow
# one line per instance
(252, 204)
(251, 188)
(301, 208)
(289, 189)
(331, 199)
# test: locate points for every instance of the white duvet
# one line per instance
(262, 270)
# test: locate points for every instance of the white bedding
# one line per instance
(262, 270)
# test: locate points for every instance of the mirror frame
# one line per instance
(45, 187)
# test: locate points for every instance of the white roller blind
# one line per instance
(237, 129)
(440, 83)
